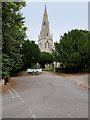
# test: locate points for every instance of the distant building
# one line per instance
(45, 40)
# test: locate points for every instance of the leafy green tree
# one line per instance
(31, 54)
(13, 34)
(88, 52)
(45, 58)
(72, 50)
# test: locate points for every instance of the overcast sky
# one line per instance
(62, 17)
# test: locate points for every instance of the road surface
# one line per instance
(44, 96)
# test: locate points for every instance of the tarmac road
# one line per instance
(44, 96)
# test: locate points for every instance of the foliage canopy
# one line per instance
(72, 49)
(45, 58)
(12, 37)
(31, 54)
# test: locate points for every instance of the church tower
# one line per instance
(45, 40)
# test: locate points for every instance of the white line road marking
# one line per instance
(30, 110)
(60, 77)
(22, 100)
(11, 93)
(33, 115)
(15, 92)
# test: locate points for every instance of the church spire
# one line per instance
(45, 40)
(45, 12)
(45, 25)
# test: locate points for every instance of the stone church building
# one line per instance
(45, 40)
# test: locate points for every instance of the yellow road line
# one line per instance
(81, 82)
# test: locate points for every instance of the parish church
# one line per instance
(45, 39)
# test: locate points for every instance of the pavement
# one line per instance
(80, 79)
(45, 96)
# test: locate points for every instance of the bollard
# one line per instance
(37, 72)
(33, 72)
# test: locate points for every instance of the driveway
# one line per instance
(45, 96)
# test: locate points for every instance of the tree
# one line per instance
(45, 58)
(13, 35)
(31, 53)
(72, 50)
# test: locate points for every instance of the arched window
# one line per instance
(45, 45)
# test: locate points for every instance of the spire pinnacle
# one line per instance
(45, 8)
(45, 12)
